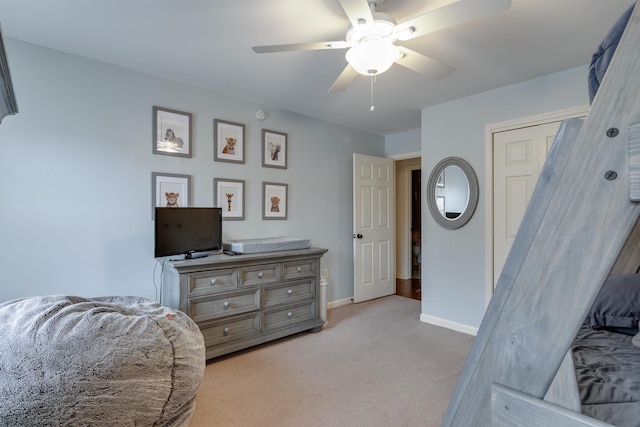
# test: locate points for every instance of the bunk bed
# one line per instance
(559, 343)
(606, 350)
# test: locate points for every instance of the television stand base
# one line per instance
(195, 256)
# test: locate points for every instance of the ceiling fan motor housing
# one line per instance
(381, 29)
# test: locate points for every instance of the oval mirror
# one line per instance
(452, 192)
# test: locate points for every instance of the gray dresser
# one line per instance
(244, 300)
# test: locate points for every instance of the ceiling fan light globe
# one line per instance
(372, 57)
(381, 28)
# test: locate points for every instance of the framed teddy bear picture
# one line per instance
(228, 141)
(274, 200)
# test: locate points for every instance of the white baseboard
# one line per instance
(339, 303)
(459, 327)
(466, 329)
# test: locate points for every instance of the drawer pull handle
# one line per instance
(289, 315)
(260, 275)
(226, 304)
(290, 292)
(214, 282)
(226, 331)
(299, 269)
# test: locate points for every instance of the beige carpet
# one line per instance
(374, 364)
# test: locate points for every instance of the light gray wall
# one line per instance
(453, 265)
(403, 142)
(76, 166)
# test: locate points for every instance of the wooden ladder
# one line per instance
(581, 214)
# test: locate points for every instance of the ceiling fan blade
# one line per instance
(344, 79)
(447, 16)
(356, 10)
(423, 64)
(300, 46)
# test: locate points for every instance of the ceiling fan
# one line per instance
(372, 36)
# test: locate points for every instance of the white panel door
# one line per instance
(519, 156)
(374, 267)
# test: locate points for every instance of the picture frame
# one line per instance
(274, 149)
(169, 189)
(228, 141)
(274, 200)
(172, 132)
(228, 194)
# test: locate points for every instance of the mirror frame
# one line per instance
(473, 192)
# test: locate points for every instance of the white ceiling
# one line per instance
(208, 43)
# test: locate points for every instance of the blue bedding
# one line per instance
(603, 55)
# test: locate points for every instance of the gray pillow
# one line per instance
(617, 307)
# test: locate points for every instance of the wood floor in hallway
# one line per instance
(409, 288)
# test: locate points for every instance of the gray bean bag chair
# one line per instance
(113, 361)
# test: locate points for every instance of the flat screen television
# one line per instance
(191, 232)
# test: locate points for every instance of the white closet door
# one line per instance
(518, 157)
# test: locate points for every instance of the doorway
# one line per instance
(416, 224)
(409, 227)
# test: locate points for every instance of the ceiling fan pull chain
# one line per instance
(373, 79)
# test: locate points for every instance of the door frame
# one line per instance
(489, 130)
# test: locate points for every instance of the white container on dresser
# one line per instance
(244, 300)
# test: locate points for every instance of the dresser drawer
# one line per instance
(216, 306)
(260, 274)
(288, 292)
(211, 281)
(283, 317)
(235, 328)
(298, 269)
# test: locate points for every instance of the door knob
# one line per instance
(359, 236)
